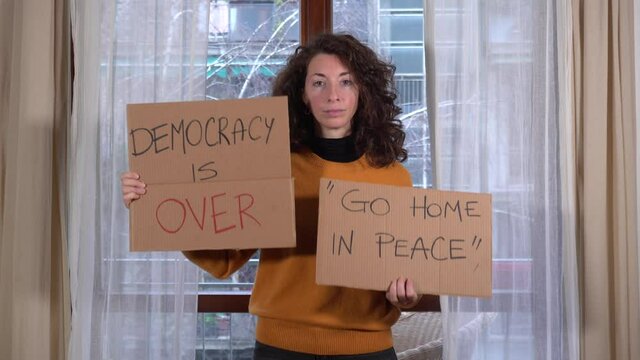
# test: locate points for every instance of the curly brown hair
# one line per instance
(376, 130)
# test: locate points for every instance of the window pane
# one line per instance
(225, 336)
(394, 29)
(249, 42)
(401, 27)
(409, 60)
(498, 90)
(241, 280)
(401, 4)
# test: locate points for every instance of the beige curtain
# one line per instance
(34, 63)
(604, 115)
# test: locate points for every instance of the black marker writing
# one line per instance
(342, 242)
(182, 135)
(426, 209)
(403, 248)
(377, 206)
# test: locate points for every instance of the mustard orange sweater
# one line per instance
(294, 313)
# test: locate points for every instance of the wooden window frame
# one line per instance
(239, 303)
(316, 17)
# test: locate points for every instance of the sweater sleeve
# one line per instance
(219, 263)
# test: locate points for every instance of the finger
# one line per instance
(132, 182)
(131, 196)
(129, 175)
(131, 189)
(392, 293)
(410, 292)
(128, 198)
(402, 296)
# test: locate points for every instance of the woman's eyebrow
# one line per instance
(323, 75)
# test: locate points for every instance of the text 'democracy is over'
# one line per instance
(218, 175)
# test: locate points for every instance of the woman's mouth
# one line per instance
(334, 112)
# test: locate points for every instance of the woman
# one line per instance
(343, 125)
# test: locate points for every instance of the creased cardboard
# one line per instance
(369, 235)
(218, 215)
(219, 169)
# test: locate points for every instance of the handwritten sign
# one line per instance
(369, 235)
(177, 143)
(240, 214)
(218, 175)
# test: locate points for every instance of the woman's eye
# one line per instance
(347, 82)
(318, 83)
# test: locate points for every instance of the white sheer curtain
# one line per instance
(496, 87)
(127, 305)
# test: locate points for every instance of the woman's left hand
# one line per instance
(402, 294)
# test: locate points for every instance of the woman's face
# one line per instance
(331, 94)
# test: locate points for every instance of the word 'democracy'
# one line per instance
(376, 233)
(184, 135)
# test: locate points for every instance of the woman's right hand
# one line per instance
(132, 187)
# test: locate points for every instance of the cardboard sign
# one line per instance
(218, 175)
(369, 235)
(188, 142)
(227, 214)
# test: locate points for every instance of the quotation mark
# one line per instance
(330, 186)
(476, 242)
(473, 243)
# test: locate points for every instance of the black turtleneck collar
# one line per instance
(337, 150)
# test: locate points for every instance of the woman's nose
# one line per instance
(333, 93)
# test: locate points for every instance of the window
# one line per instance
(395, 30)
(249, 42)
